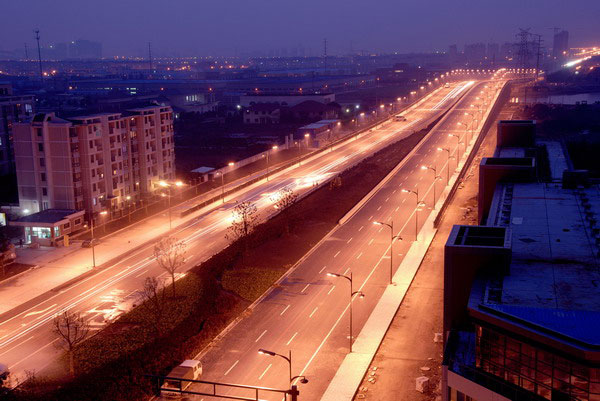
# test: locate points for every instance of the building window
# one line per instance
(56, 232)
(43, 177)
(40, 147)
(44, 191)
(42, 162)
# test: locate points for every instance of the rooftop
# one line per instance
(554, 279)
(49, 216)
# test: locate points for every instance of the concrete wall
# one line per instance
(469, 249)
(516, 134)
(496, 169)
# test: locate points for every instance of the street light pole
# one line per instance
(392, 238)
(275, 147)
(102, 213)
(416, 192)
(263, 351)
(352, 294)
(448, 162)
(457, 146)
(435, 177)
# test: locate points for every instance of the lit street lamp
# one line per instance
(102, 213)
(223, 182)
(352, 294)
(435, 177)
(275, 147)
(167, 185)
(448, 157)
(303, 379)
(457, 146)
(392, 238)
(416, 192)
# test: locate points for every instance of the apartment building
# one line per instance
(521, 300)
(13, 108)
(93, 163)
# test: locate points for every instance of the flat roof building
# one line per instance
(521, 294)
(93, 163)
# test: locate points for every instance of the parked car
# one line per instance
(189, 369)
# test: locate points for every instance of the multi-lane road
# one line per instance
(307, 312)
(26, 340)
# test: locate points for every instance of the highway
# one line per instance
(26, 341)
(307, 312)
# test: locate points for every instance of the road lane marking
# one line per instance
(304, 289)
(259, 337)
(361, 227)
(370, 242)
(370, 218)
(142, 273)
(15, 346)
(323, 268)
(393, 192)
(39, 311)
(34, 353)
(347, 242)
(403, 200)
(398, 207)
(313, 312)
(329, 292)
(359, 255)
(291, 339)
(416, 184)
(232, 366)
(338, 252)
(387, 199)
(283, 311)
(346, 272)
(263, 373)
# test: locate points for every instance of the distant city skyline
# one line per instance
(236, 27)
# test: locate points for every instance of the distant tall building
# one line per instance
(13, 108)
(493, 51)
(93, 163)
(475, 52)
(560, 45)
(452, 52)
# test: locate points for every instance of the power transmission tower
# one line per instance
(37, 37)
(523, 52)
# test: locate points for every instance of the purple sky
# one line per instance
(222, 27)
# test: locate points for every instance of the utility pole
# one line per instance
(150, 54)
(37, 37)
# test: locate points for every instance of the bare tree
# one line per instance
(154, 302)
(72, 330)
(284, 199)
(245, 218)
(170, 255)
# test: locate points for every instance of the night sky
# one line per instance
(228, 27)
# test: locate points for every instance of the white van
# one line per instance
(400, 117)
(190, 369)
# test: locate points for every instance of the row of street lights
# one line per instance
(393, 237)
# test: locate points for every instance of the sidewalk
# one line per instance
(355, 367)
(409, 349)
